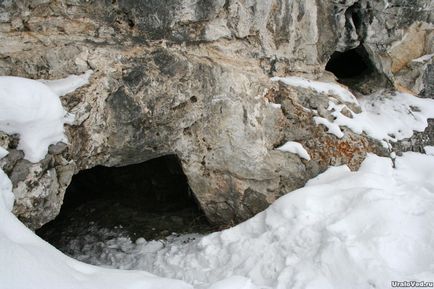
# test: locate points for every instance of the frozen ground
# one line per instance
(344, 229)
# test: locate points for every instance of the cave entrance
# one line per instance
(150, 200)
(350, 64)
(353, 67)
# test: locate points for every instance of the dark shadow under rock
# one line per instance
(150, 200)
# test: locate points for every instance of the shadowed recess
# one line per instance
(151, 200)
(353, 63)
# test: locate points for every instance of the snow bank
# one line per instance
(295, 148)
(322, 87)
(33, 110)
(343, 230)
(387, 116)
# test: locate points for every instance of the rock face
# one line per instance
(192, 78)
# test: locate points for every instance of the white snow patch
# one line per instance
(275, 105)
(341, 92)
(34, 111)
(429, 150)
(295, 148)
(69, 84)
(3, 152)
(387, 116)
(331, 126)
(423, 58)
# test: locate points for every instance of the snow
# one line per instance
(429, 150)
(322, 87)
(331, 127)
(387, 116)
(343, 230)
(34, 111)
(69, 84)
(275, 105)
(424, 58)
(295, 148)
(3, 152)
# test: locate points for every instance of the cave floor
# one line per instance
(101, 220)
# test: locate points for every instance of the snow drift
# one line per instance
(343, 230)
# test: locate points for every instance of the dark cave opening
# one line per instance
(351, 64)
(150, 200)
(355, 69)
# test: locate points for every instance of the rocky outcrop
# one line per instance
(192, 78)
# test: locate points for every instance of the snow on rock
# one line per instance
(3, 152)
(69, 84)
(343, 230)
(424, 58)
(341, 92)
(34, 111)
(295, 148)
(331, 126)
(387, 116)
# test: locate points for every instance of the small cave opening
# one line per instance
(150, 200)
(355, 69)
(351, 64)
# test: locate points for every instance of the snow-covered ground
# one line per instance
(344, 230)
